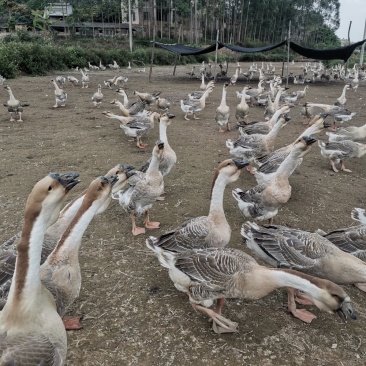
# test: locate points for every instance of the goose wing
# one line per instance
(285, 247)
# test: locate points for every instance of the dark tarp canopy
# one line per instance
(341, 53)
(252, 50)
(183, 50)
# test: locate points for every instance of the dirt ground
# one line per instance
(132, 313)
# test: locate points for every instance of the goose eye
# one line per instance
(49, 188)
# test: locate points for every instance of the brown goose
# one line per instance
(31, 331)
(60, 273)
(218, 273)
(208, 231)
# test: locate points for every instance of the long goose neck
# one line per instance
(274, 132)
(26, 283)
(11, 95)
(243, 100)
(58, 90)
(344, 92)
(278, 96)
(275, 117)
(66, 215)
(223, 98)
(315, 128)
(153, 166)
(287, 165)
(217, 195)
(163, 133)
(70, 241)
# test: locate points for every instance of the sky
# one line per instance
(354, 10)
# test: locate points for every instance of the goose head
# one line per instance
(49, 195)
(123, 173)
(334, 300)
(167, 118)
(99, 193)
(230, 169)
(158, 150)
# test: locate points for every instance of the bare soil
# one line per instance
(132, 313)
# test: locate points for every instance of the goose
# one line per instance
(8, 251)
(194, 106)
(208, 231)
(191, 73)
(92, 67)
(139, 197)
(123, 94)
(120, 80)
(60, 95)
(203, 85)
(198, 94)
(223, 112)
(141, 70)
(234, 78)
(269, 110)
(61, 273)
(337, 151)
(97, 97)
(242, 109)
(14, 106)
(101, 66)
(269, 164)
(264, 127)
(61, 80)
(109, 82)
(203, 67)
(85, 80)
(263, 201)
(148, 98)
(353, 133)
(254, 92)
(341, 101)
(31, 331)
(306, 252)
(352, 239)
(249, 146)
(301, 94)
(355, 82)
(2, 80)
(73, 80)
(162, 104)
(136, 109)
(114, 66)
(129, 65)
(212, 274)
(136, 126)
(169, 157)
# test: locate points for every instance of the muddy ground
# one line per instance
(132, 313)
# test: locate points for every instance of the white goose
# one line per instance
(14, 106)
(85, 79)
(97, 97)
(60, 96)
(61, 273)
(31, 331)
(223, 112)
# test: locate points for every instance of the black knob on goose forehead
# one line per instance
(160, 144)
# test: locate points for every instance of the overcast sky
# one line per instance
(354, 10)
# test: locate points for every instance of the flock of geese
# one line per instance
(40, 276)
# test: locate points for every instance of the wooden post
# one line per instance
(175, 63)
(152, 54)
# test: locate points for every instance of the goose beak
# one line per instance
(170, 115)
(130, 173)
(160, 144)
(287, 118)
(327, 124)
(112, 180)
(309, 140)
(324, 115)
(128, 168)
(346, 310)
(68, 180)
(240, 164)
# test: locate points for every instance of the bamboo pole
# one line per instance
(217, 47)
(288, 51)
(153, 50)
(363, 46)
(175, 63)
(130, 24)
